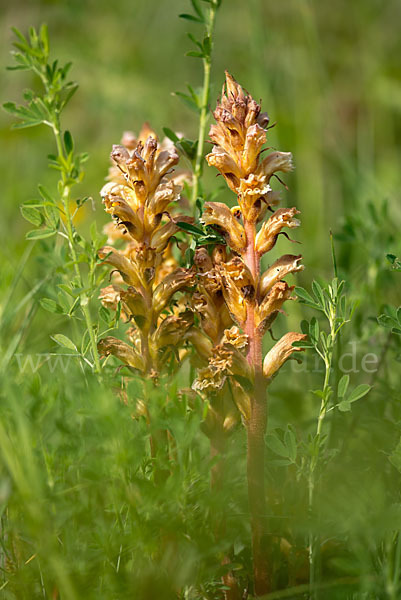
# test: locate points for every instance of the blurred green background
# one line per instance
(328, 74)
(73, 461)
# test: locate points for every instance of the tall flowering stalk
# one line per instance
(253, 299)
(140, 197)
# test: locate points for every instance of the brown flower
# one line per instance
(127, 354)
(267, 236)
(281, 352)
(238, 137)
(177, 280)
(288, 263)
(123, 265)
(237, 287)
(140, 193)
(217, 213)
(271, 305)
(227, 359)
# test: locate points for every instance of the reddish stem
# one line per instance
(256, 430)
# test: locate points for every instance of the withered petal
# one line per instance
(280, 353)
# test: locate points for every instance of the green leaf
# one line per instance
(10, 107)
(18, 68)
(190, 228)
(344, 406)
(70, 88)
(394, 261)
(32, 215)
(63, 340)
(39, 234)
(302, 344)
(359, 392)
(50, 305)
(170, 133)
(68, 290)
(195, 41)
(188, 101)
(26, 124)
(275, 444)
(305, 326)
(104, 314)
(94, 233)
(191, 18)
(19, 34)
(318, 292)
(64, 303)
(195, 54)
(45, 194)
(343, 386)
(207, 45)
(291, 444)
(52, 216)
(386, 321)
(305, 297)
(314, 330)
(68, 142)
(197, 8)
(188, 147)
(44, 38)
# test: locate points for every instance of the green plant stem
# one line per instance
(205, 103)
(313, 539)
(256, 430)
(397, 566)
(393, 566)
(65, 198)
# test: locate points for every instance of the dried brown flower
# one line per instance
(239, 135)
(280, 353)
(140, 194)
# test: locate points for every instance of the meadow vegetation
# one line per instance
(143, 316)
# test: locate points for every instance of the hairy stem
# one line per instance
(204, 107)
(256, 430)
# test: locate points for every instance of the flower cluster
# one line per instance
(139, 196)
(253, 300)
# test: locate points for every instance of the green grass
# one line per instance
(80, 516)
